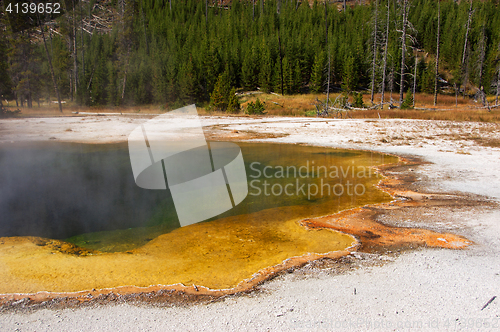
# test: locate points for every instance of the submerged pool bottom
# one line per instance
(216, 255)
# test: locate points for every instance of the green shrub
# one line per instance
(255, 108)
(358, 100)
(407, 102)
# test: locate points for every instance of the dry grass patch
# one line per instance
(458, 115)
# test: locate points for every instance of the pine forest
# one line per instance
(174, 53)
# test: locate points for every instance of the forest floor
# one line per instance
(425, 289)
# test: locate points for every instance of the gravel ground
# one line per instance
(421, 290)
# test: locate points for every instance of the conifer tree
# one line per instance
(5, 83)
(219, 98)
(188, 82)
(249, 70)
(317, 77)
(266, 71)
(350, 75)
(233, 105)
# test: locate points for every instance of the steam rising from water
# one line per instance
(59, 190)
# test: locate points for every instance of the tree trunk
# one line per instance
(281, 55)
(51, 70)
(328, 85)
(253, 10)
(385, 54)
(326, 25)
(464, 64)
(374, 61)
(403, 52)
(391, 83)
(125, 76)
(456, 94)
(29, 98)
(437, 56)
(84, 95)
(415, 80)
(482, 43)
(498, 87)
(75, 55)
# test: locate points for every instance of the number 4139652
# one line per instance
(32, 8)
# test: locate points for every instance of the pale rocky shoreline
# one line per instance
(425, 289)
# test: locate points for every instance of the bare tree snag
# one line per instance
(75, 55)
(482, 50)
(437, 55)
(464, 63)
(498, 86)
(403, 51)
(385, 53)
(415, 80)
(54, 81)
(374, 61)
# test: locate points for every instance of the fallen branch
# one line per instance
(488, 303)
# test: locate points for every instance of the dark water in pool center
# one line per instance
(86, 194)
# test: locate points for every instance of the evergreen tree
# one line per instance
(427, 78)
(219, 98)
(188, 82)
(408, 101)
(266, 71)
(316, 83)
(350, 75)
(249, 70)
(233, 105)
(5, 83)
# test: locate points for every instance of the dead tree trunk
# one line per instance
(385, 53)
(498, 86)
(415, 80)
(403, 52)
(464, 63)
(437, 56)
(328, 84)
(75, 55)
(456, 94)
(482, 47)
(125, 75)
(326, 25)
(253, 10)
(374, 61)
(281, 54)
(391, 83)
(56, 88)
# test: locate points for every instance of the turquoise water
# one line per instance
(86, 194)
